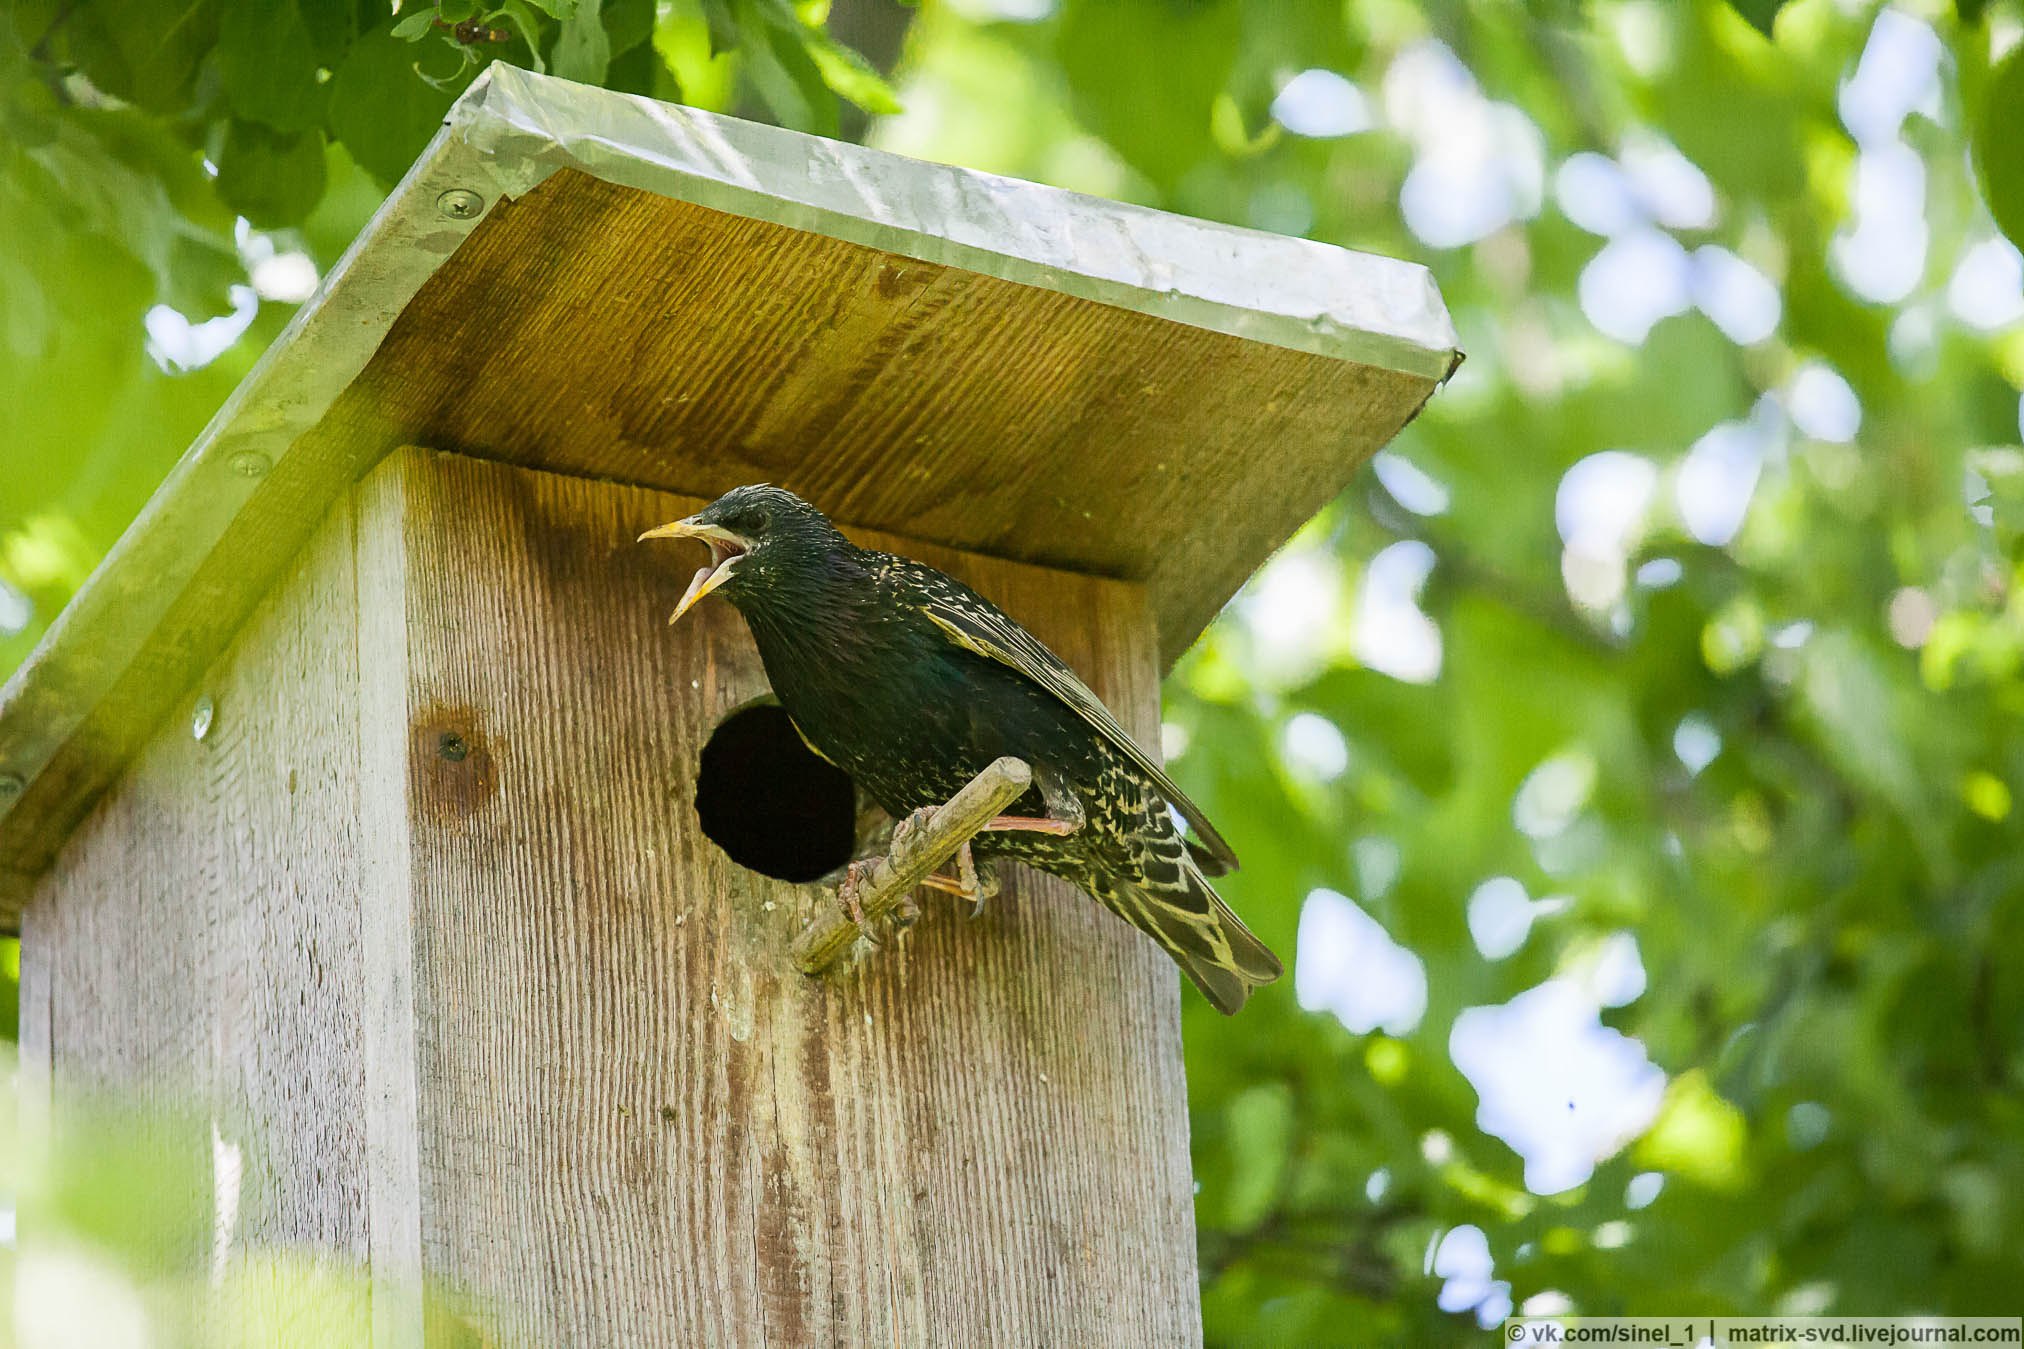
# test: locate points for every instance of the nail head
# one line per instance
(251, 464)
(201, 718)
(11, 786)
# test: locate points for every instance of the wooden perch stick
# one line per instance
(915, 854)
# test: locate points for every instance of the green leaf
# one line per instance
(267, 62)
(582, 49)
(705, 75)
(628, 23)
(721, 19)
(272, 178)
(522, 17)
(1153, 105)
(849, 74)
(144, 51)
(382, 110)
(556, 9)
(416, 26)
(332, 25)
(202, 273)
(28, 114)
(1999, 148)
(639, 71)
(781, 69)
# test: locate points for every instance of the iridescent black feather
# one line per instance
(912, 682)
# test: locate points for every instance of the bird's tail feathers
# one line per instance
(1210, 863)
(1205, 938)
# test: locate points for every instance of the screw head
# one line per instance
(250, 464)
(201, 717)
(11, 786)
(461, 203)
(453, 747)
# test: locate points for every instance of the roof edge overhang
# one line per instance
(511, 131)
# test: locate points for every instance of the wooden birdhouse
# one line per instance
(365, 797)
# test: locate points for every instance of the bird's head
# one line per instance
(757, 535)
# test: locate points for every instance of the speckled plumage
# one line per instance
(912, 682)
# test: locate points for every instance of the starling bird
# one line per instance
(911, 682)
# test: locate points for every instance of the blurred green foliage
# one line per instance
(135, 1206)
(1780, 752)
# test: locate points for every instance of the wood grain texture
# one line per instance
(506, 1019)
(196, 949)
(387, 1035)
(596, 330)
(638, 1123)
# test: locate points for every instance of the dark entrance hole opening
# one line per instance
(769, 802)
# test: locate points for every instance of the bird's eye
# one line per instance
(750, 523)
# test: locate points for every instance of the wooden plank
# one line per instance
(196, 948)
(597, 330)
(638, 1124)
(387, 1035)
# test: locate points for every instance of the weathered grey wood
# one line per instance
(639, 1123)
(387, 1042)
(508, 1017)
(197, 948)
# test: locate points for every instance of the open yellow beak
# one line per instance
(725, 550)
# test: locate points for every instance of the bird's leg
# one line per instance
(1006, 824)
(968, 883)
(1064, 814)
(905, 913)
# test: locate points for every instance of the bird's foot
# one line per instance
(847, 892)
(849, 895)
(968, 883)
(915, 819)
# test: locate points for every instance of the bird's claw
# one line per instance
(847, 892)
(977, 887)
(970, 882)
(849, 896)
(904, 830)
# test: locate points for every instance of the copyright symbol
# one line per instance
(1514, 1332)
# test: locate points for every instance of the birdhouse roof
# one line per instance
(604, 285)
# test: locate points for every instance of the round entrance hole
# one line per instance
(769, 802)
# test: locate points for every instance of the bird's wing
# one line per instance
(975, 624)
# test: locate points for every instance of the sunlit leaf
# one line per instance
(418, 25)
(1697, 1135)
